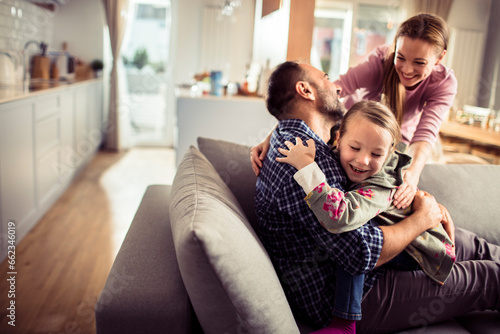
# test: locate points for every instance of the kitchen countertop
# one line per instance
(9, 93)
(468, 132)
(186, 93)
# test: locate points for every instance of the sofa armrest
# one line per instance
(144, 292)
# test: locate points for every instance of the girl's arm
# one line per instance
(337, 211)
(340, 211)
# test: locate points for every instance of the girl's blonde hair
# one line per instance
(427, 27)
(378, 114)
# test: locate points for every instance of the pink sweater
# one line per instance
(425, 107)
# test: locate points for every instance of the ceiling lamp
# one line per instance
(229, 6)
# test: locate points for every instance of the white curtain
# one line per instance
(438, 7)
(116, 16)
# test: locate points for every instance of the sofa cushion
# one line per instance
(232, 163)
(227, 273)
(145, 269)
(462, 187)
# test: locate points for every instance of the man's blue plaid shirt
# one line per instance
(303, 252)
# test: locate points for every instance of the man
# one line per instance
(305, 255)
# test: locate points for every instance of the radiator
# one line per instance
(465, 57)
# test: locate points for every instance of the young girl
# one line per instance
(366, 144)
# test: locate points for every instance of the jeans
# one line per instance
(349, 288)
(348, 295)
(408, 299)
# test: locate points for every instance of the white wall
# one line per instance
(188, 38)
(80, 23)
(271, 34)
(185, 58)
(467, 14)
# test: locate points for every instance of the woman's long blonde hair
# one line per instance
(427, 27)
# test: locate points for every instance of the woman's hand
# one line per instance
(420, 151)
(406, 191)
(298, 155)
(447, 223)
(258, 154)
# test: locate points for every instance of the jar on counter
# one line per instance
(216, 83)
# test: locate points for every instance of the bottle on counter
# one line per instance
(216, 88)
(65, 63)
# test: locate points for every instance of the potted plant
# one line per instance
(140, 58)
(97, 65)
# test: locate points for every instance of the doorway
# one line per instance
(145, 55)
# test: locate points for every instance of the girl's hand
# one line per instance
(298, 155)
(258, 154)
(406, 191)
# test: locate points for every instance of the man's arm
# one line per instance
(426, 215)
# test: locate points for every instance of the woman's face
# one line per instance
(414, 60)
(363, 148)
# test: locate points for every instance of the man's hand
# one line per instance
(427, 209)
(426, 214)
(298, 155)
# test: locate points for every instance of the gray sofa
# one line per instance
(192, 263)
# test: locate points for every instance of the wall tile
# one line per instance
(20, 22)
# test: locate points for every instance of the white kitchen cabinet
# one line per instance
(47, 143)
(88, 119)
(69, 160)
(17, 168)
(45, 140)
(82, 146)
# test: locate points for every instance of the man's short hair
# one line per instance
(281, 89)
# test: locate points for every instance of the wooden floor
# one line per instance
(63, 262)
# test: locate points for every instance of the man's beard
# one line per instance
(330, 105)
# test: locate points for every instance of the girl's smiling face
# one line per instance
(363, 148)
(414, 60)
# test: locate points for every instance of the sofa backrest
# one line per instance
(470, 192)
(232, 163)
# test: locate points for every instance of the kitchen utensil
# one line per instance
(41, 67)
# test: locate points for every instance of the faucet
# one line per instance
(25, 68)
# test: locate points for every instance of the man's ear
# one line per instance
(336, 143)
(304, 89)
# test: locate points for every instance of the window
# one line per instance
(346, 32)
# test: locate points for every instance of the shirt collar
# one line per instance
(301, 126)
